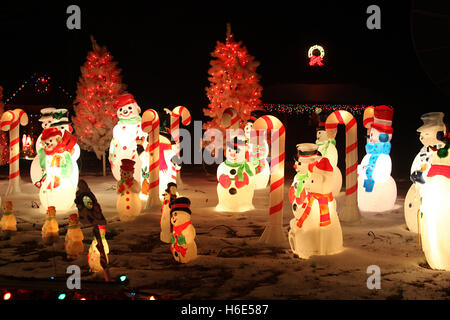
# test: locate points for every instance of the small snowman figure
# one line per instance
(128, 138)
(317, 231)
(128, 204)
(307, 157)
(257, 155)
(8, 221)
(432, 124)
(377, 190)
(434, 222)
(94, 257)
(50, 229)
(74, 238)
(235, 176)
(166, 226)
(183, 245)
(327, 148)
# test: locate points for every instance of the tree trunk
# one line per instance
(104, 163)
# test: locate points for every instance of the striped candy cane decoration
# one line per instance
(10, 122)
(274, 234)
(230, 119)
(350, 213)
(178, 113)
(150, 125)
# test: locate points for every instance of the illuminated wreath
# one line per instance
(316, 47)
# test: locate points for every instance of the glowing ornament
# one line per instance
(183, 246)
(317, 231)
(74, 238)
(377, 190)
(166, 227)
(8, 221)
(235, 176)
(129, 141)
(150, 125)
(274, 234)
(308, 156)
(350, 212)
(94, 256)
(434, 223)
(57, 187)
(257, 155)
(327, 148)
(36, 172)
(10, 121)
(316, 60)
(128, 204)
(50, 230)
(432, 124)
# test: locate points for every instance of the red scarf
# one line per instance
(439, 170)
(323, 199)
(128, 182)
(177, 230)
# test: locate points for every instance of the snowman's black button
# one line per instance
(232, 191)
(176, 254)
(410, 205)
(233, 172)
(294, 206)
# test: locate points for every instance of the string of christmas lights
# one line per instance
(41, 84)
(293, 109)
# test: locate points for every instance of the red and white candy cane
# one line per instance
(178, 113)
(350, 212)
(274, 234)
(150, 124)
(10, 122)
(230, 119)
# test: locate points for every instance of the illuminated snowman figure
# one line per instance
(434, 223)
(377, 190)
(166, 227)
(36, 172)
(257, 154)
(432, 124)
(307, 157)
(128, 204)
(235, 176)
(129, 141)
(327, 148)
(317, 230)
(183, 246)
(94, 254)
(57, 188)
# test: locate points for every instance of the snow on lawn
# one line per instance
(232, 264)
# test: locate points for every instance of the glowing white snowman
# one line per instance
(317, 230)
(434, 222)
(235, 176)
(432, 124)
(377, 190)
(327, 148)
(307, 157)
(127, 135)
(47, 119)
(257, 155)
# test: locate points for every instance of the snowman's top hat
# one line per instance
(236, 142)
(382, 119)
(46, 113)
(432, 119)
(307, 150)
(127, 165)
(180, 204)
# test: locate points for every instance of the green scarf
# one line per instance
(241, 167)
(323, 146)
(132, 120)
(7, 213)
(75, 226)
(300, 178)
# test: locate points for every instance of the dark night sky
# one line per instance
(164, 50)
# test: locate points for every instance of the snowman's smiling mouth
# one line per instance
(124, 115)
(174, 221)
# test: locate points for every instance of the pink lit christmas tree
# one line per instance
(234, 83)
(99, 85)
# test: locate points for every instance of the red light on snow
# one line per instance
(151, 298)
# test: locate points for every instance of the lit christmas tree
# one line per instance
(99, 85)
(4, 150)
(234, 83)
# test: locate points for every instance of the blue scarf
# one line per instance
(374, 149)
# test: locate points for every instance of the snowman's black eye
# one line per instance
(312, 181)
(129, 108)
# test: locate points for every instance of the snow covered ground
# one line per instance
(232, 264)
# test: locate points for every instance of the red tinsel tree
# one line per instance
(99, 85)
(234, 83)
(4, 149)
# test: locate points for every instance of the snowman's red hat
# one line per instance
(382, 119)
(124, 100)
(49, 133)
(127, 165)
(323, 167)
